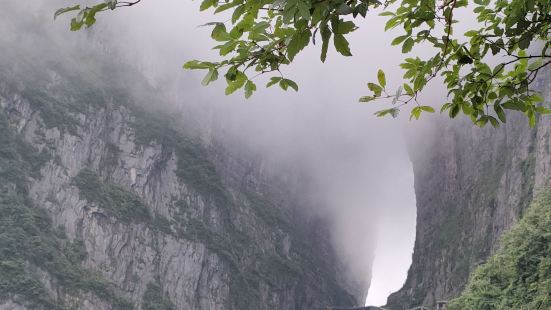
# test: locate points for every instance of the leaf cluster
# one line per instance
(515, 30)
(86, 16)
(264, 35)
(261, 36)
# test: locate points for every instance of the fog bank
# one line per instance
(360, 173)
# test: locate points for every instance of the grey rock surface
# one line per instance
(471, 184)
(154, 208)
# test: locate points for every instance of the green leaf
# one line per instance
(500, 113)
(207, 4)
(468, 110)
(273, 80)
(237, 13)
(524, 41)
(427, 108)
(531, 118)
(392, 112)
(195, 64)
(345, 27)
(415, 113)
(445, 107)
(543, 110)
(464, 59)
(211, 76)
(231, 74)
(341, 45)
(382, 78)
(471, 33)
(219, 33)
(344, 9)
(237, 83)
(283, 84)
(375, 89)
(236, 32)
(250, 87)
(536, 98)
(366, 99)
(408, 45)
(228, 47)
(65, 10)
(493, 121)
(298, 42)
(226, 6)
(398, 40)
(289, 12)
(535, 65)
(513, 105)
(482, 121)
(90, 17)
(76, 24)
(454, 110)
(393, 22)
(325, 36)
(304, 9)
(361, 9)
(408, 89)
(291, 84)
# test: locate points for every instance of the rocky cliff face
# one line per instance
(471, 185)
(107, 205)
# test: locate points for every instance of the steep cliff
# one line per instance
(471, 185)
(108, 205)
(518, 275)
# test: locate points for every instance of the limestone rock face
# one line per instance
(471, 185)
(116, 207)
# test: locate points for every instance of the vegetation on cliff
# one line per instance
(30, 244)
(518, 276)
(154, 299)
(115, 200)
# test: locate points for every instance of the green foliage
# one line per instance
(18, 158)
(116, 201)
(264, 35)
(518, 276)
(86, 17)
(475, 87)
(153, 298)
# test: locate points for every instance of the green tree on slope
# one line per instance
(518, 276)
(264, 35)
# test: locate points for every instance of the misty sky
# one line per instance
(359, 162)
(361, 174)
